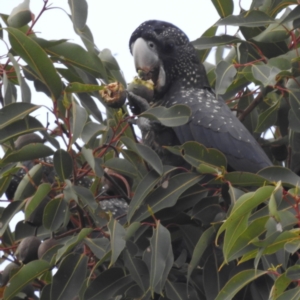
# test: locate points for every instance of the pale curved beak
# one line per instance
(145, 58)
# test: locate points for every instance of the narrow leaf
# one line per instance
(176, 115)
(14, 112)
(79, 11)
(78, 120)
(223, 7)
(54, 214)
(201, 246)
(253, 18)
(164, 197)
(63, 164)
(225, 75)
(37, 59)
(107, 284)
(237, 282)
(8, 213)
(25, 90)
(24, 276)
(70, 276)
(117, 239)
(146, 153)
(160, 243)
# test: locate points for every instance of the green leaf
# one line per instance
(166, 195)
(246, 179)
(87, 38)
(40, 194)
(37, 59)
(99, 246)
(48, 43)
(8, 213)
(20, 127)
(25, 90)
(292, 246)
(265, 74)
(280, 285)
(112, 66)
(10, 91)
(199, 249)
(75, 55)
(174, 116)
(138, 270)
(117, 239)
(276, 173)
(24, 276)
(26, 187)
(92, 161)
(223, 7)
(146, 153)
(225, 75)
(144, 187)
(280, 241)
(28, 152)
(121, 166)
(63, 164)
(78, 120)
(15, 112)
(292, 294)
(209, 42)
(273, 34)
(87, 197)
(232, 233)
(91, 130)
(293, 272)
(70, 276)
(245, 204)
(294, 98)
(179, 291)
(107, 284)
(4, 184)
(54, 214)
(254, 18)
(160, 246)
(72, 242)
(237, 282)
(69, 192)
(203, 54)
(294, 14)
(242, 243)
(197, 154)
(79, 11)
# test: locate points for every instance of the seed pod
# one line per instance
(27, 139)
(280, 152)
(5, 276)
(27, 250)
(114, 95)
(45, 246)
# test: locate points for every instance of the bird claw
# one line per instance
(137, 103)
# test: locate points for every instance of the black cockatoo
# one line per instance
(163, 53)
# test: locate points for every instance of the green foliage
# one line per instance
(202, 233)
